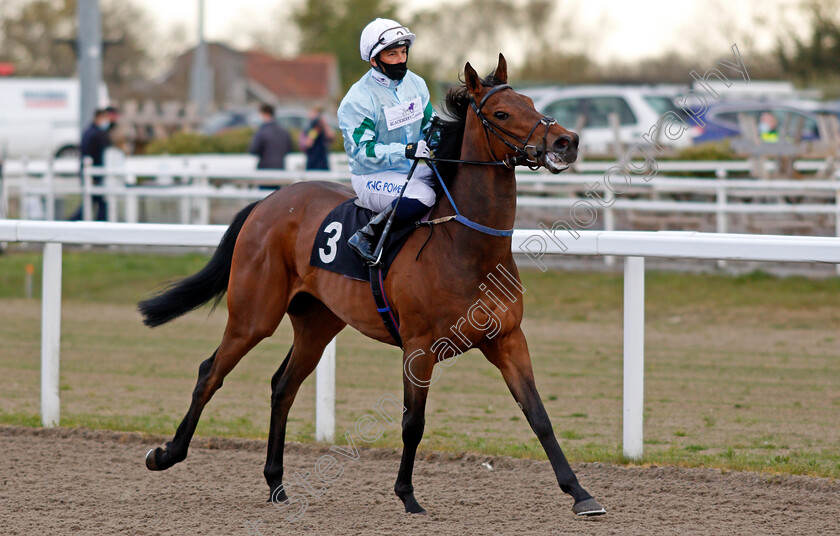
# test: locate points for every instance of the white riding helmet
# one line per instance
(381, 34)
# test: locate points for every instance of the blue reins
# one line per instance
(528, 153)
(460, 218)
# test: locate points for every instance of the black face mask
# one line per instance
(394, 71)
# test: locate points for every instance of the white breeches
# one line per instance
(377, 190)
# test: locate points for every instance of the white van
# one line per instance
(39, 117)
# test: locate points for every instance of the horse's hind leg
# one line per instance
(255, 309)
(314, 327)
(510, 355)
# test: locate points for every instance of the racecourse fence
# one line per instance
(193, 182)
(533, 244)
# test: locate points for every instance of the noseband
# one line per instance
(528, 155)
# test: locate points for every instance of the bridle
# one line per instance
(528, 155)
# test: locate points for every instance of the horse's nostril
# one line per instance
(563, 143)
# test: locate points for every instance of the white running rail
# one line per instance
(533, 244)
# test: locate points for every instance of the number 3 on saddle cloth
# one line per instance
(331, 252)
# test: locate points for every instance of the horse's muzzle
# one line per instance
(563, 152)
(566, 147)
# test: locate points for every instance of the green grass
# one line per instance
(594, 292)
(97, 275)
(105, 276)
(579, 377)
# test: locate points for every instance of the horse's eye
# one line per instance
(501, 115)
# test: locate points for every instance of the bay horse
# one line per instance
(262, 262)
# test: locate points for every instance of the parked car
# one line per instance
(818, 108)
(639, 108)
(827, 108)
(721, 120)
(288, 118)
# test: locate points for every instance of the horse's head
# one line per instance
(516, 132)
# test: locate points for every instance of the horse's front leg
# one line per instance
(510, 354)
(417, 373)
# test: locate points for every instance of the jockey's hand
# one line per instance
(416, 151)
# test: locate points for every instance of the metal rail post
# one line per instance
(49, 182)
(634, 356)
(50, 335)
(87, 184)
(609, 220)
(837, 217)
(721, 200)
(325, 395)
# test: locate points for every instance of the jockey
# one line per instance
(384, 118)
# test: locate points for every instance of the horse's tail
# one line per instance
(194, 291)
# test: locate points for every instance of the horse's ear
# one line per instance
(472, 80)
(500, 73)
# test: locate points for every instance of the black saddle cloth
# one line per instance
(331, 251)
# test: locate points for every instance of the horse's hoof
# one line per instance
(588, 507)
(412, 506)
(277, 496)
(151, 461)
(415, 509)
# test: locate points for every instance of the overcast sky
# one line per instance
(622, 30)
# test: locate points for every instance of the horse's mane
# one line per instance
(452, 123)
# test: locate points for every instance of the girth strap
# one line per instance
(377, 287)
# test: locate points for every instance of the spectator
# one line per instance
(768, 128)
(115, 131)
(271, 143)
(316, 140)
(95, 140)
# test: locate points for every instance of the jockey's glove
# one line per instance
(416, 151)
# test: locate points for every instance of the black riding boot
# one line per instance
(365, 240)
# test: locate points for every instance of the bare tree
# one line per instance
(39, 38)
(334, 26)
(813, 54)
(275, 33)
(541, 37)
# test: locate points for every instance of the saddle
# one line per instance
(331, 252)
